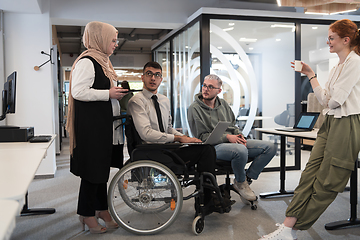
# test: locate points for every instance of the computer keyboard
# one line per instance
(40, 138)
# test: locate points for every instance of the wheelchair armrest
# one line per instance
(119, 117)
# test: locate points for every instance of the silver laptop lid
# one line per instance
(217, 132)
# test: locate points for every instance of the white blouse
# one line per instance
(83, 77)
(341, 95)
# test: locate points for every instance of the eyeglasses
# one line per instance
(151, 74)
(115, 41)
(210, 87)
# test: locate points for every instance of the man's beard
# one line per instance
(209, 98)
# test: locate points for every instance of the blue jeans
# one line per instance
(260, 151)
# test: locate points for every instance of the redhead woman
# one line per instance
(90, 123)
(337, 144)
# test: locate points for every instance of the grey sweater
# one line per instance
(203, 119)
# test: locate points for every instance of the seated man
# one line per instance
(151, 115)
(203, 115)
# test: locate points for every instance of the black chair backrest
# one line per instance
(132, 136)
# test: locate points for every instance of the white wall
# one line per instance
(26, 35)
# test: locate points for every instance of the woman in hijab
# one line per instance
(90, 123)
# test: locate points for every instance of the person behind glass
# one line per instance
(143, 111)
(90, 123)
(203, 115)
(337, 144)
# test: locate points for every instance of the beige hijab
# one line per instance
(97, 38)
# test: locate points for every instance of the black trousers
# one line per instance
(92, 197)
(204, 156)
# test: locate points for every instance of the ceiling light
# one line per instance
(247, 39)
(284, 26)
(219, 47)
(278, 40)
(323, 7)
(228, 29)
(314, 28)
(251, 48)
(346, 11)
(231, 24)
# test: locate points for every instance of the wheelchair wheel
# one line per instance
(198, 225)
(145, 197)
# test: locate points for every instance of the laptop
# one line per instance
(216, 133)
(305, 122)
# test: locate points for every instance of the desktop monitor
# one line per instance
(9, 96)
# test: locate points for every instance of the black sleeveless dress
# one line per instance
(93, 128)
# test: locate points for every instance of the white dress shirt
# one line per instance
(142, 110)
(341, 95)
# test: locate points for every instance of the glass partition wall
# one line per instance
(252, 56)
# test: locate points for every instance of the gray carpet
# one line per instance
(241, 223)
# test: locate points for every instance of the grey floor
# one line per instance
(241, 223)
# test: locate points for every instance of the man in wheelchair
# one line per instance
(150, 112)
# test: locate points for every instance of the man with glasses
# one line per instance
(203, 115)
(151, 115)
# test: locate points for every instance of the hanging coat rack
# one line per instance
(36, 68)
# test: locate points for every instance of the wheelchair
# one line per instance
(145, 196)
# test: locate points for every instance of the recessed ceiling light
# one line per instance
(283, 26)
(247, 39)
(231, 24)
(315, 13)
(278, 40)
(228, 29)
(219, 47)
(314, 28)
(351, 10)
(251, 48)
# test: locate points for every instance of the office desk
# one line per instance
(18, 164)
(8, 212)
(305, 135)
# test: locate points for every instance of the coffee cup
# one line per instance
(298, 65)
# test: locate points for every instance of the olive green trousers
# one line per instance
(328, 170)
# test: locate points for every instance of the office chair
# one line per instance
(283, 119)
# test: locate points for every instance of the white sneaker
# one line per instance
(244, 190)
(282, 233)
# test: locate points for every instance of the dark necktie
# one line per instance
(158, 113)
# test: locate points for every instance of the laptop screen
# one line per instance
(307, 120)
